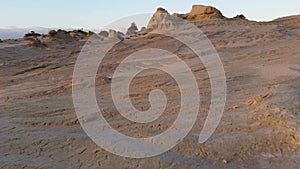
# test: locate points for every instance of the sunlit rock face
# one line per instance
(201, 12)
(161, 20)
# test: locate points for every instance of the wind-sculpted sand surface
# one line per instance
(260, 127)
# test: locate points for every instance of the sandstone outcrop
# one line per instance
(132, 30)
(240, 17)
(201, 12)
(143, 31)
(60, 36)
(160, 20)
(113, 34)
(31, 35)
(89, 35)
(78, 34)
(103, 34)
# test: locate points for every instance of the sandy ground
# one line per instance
(260, 127)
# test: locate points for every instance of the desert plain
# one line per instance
(260, 127)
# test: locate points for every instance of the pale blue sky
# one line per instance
(97, 13)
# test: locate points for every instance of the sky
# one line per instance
(94, 14)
